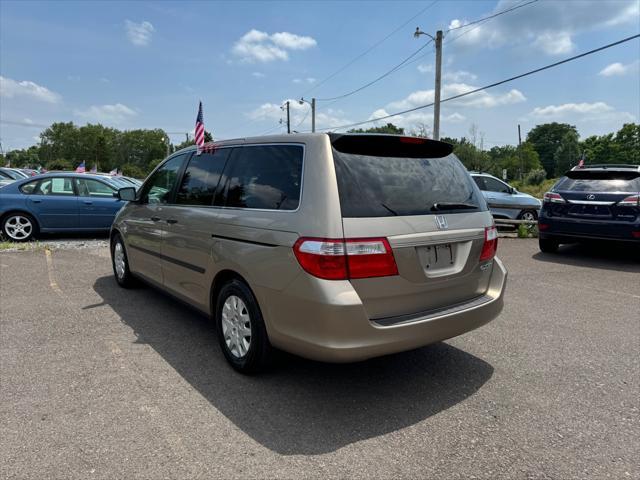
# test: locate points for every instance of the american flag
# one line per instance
(200, 128)
(81, 168)
(94, 169)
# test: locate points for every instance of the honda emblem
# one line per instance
(441, 222)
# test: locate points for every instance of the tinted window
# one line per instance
(201, 177)
(493, 185)
(599, 184)
(375, 186)
(55, 186)
(160, 185)
(93, 188)
(265, 176)
(480, 182)
(29, 187)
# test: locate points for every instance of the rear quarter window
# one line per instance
(29, 187)
(265, 177)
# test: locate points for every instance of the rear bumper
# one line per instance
(571, 231)
(337, 328)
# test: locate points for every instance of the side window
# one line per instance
(55, 186)
(93, 188)
(265, 176)
(494, 185)
(157, 189)
(29, 187)
(480, 182)
(201, 177)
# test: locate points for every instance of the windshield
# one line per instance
(383, 186)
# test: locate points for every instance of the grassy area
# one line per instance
(18, 246)
(535, 190)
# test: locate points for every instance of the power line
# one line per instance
(351, 62)
(486, 87)
(386, 74)
(502, 12)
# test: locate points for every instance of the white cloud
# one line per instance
(302, 80)
(588, 112)
(10, 88)
(139, 34)
(104, 80)
(422, 68)
(481, 99)
(257, 46)
(258, 74)
(113, 114)
(454, 118)
(548, 26)
(458, 76)
(617, 69)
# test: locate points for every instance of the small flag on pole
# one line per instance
(114, 172)
(81, 168)
(199, 131)
(581, 162)
(94, 169)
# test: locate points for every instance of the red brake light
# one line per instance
(412, 140)
(631, 201)
(490, 244)
(553, 198)
(338, 259)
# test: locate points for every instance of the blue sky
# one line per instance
(147, 64)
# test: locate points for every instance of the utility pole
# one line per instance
(313, 115)
(520, 154)
(288, 119)
(438, 83)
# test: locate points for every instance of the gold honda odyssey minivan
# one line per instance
(333, 247)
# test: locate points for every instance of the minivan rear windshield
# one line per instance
(600, 181)
(404, 181)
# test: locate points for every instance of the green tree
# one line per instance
(546, 139)
(567, 154)
(60, 164)
(388, 128)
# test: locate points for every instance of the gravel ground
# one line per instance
(101, 382)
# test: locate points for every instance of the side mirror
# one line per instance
(128, 194)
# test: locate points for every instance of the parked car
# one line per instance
(14, 173)
(57, 202)
(30, 172)
(333, 247)
(504, 200)
(599, 202)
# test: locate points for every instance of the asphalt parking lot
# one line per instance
(100, 382)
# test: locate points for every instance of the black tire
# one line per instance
(528, 213)
(124, 277)
(17, 224)
(548, 245)
(257, 357)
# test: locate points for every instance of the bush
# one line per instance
(129, 170)
(535, 177)
(59, 164)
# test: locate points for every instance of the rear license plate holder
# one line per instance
(439, 256)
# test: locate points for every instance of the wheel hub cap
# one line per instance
(18, 227)
(236, 326)
(119, 260)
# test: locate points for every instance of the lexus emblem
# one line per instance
(441, 222)
(591, 196)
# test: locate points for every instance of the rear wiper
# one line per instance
(389, 209)
(452, 206)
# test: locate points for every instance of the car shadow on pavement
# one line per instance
(300, 407)
(621, 257)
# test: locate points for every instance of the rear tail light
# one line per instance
(635, 234)
(543, 226)
(631, 201)
(490, 244)
(343, 259)
(551, 197)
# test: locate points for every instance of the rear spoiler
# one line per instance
(604, 174)
(389, 145)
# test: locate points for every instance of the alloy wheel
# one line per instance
(18, 227)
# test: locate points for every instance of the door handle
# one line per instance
(87, 202)
(155, 219)
(35, 200)
(171, 221)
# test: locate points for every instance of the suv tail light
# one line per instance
(631, 201)
(553, 198)
(343, 259)
(490, 244)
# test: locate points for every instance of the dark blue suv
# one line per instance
(594, 202)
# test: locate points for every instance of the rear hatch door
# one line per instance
(418, 195)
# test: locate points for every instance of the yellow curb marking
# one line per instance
(52, 278)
